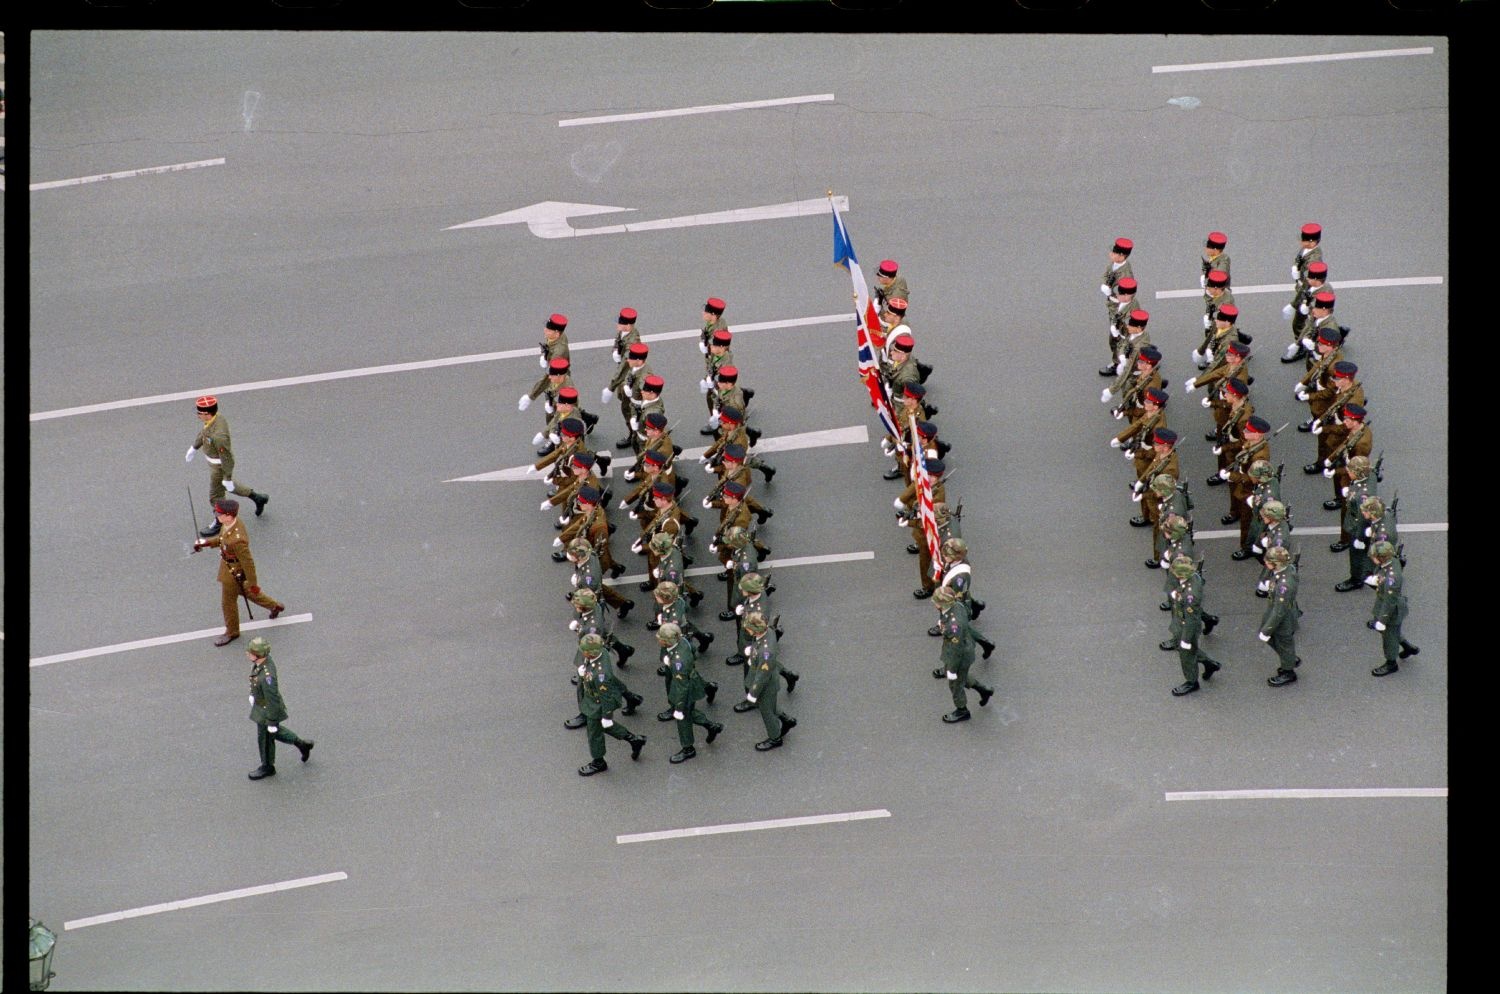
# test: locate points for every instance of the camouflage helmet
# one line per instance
(259, 646)
(585, 598)
(1359, 467)
(1372, 506)
(592, 644)
(1182, 567)
(669, 633)
(1163, 484)
(1278, 556)
(955, 548)
(661, 543)
(736, 537)
(1381, 551)
(1274, 509)
(1175, 525)
(666, 591)
(752, 583)
(944, 596)
(1261, 471)
(755, 623)
(579, 548)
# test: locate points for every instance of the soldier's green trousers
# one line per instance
(769, 713)
(1284, 642)
(267, 739)
(1190, 658)
(960, 696)
(691, 716)
(216, 489)
(597, 731)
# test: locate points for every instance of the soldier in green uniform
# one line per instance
(727, 392)
(1278, 626)
(554, 346)
(957, 654)
(713, 320)
(1216, 342)
(626, 335)
(889, 282)
(1321, 322)
(1390, 607)
(236, 569)
(590, 621)
(1179, 542)
(268, 710)
(1362, 484)
(1188, 625)
(761, 685)
(1167, 497)
(755, 598)
(1164, 459)
(598, 697)
(684, 688)
(672, 606)
(588, 574)
(1376, 524)
(1274, 532)
(719, 356)
(1119, 325)
(670, 567)
(742, 562)
(213, 439)
(1309, 252)
(1119, 268)
(1213, 257)
(958, 576)
(1267, 488)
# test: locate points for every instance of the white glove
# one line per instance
(273, 729)
(887, 448)
(1173, 595)
(677, 715)
(634, 516)
(1317, 428)
(565, 519)
(1114, 443)
(1104, 289)
(1136, 497)
(898, 505)
(1218, 449)
(1202, 280)
(1328, 473)
(656, 572)
(538, 438)
(615, 355)
(739, 609)
(1207, 402)
(702, 346)
(545, 504)
(583, 670)
(635, 423)
(1286, 312)
(952, 675)
(547, 406)
(229, 485)
(1223, 474)
(1302, 308)
(705, 385)
(1255, 548)
(1190, 384)
(1307, 343)
(624, 504)
(1380, 626)
(709, 470)
(1372, 580)
(1300, 392)
(1104, 396)
(1252, 501)
(1343, 491)
(635, 546)
(252, 698)
(541, 360)
(705, 502)
(523, 403)
(557, 543)
(713, 547)
(749, 650)
(1291, 350)
(1113, 331)
(1206, 322)
(1359, 544)
(713, 421)
(625, 389)
(573, 625)
(1128, 454)
(606, 395)
(606, 723)
(1263, 636)
(1166, 561)
(573, 579)
(1296, 275)
(750, 698)
(1184, 645)
(1119, 365)
(630, 476)
(1263, 585)
(554, 438)
(192, 450)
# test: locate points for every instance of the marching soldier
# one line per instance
(1216, 294)
(656, 438)
(1119, 268)
(1119, 324)
(957, 654)
(732, 430)
(1316, 385)
(1361, 484)
(268, 710)
(908, 516)
(1317, 282)
(932, 446)
(584, 473)
(1273, 534)
(958, 576)
(1377, 524)
(1168, 498)
(666, 519)
(570, 434)
(1231, 364)
(733, 468)
(627, 383)
(1342, 391)
(647, 401)
(1189, 623)
(755, 598)
(672, 606)
(1321, 321)
(761, 668)
(1232, 415)
(1128, 349)
(590, 521)
(236, 569)
(588, 574)
(1216, 341)
(727, 392)
(1353, 438)
(1278, 626)
(1178, 532)
(553, 347)
(719, 356)
(892, 315)
(742, 562)
(1163, 460)
(1135, 440)
(889, 283)
(670, 567)
(1214, 257)
(1256, 444)
(736, 513)
(1143, 375)
(1390, 607)
(213, 439)
(713, 320)
(1267, 488)
(684, 688)
(564, 408)
(900, 370)
(591, 619)
(599, 696)
(1310, 252)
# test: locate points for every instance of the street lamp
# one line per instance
(42, 941)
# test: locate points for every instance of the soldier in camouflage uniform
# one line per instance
(957, 654)
(1376, 524)
(554, 346)
(1278, 626)
(1178, 532)
(1189, 623)
(1310, 252)
(268, 710)
(1119, 324)
(590, 621)
(627, 384)
(672, 607)
(684, 688)
(588, 574)
(1362, 484)
(1168, 497)
(1119, 268)
(1274, 533)
(1390, 607)
(213, 439)
(889, 282)
(743, 561)
(761, 685)
(599, 696)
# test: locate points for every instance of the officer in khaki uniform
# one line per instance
(762, 666)
(1135, 441)
(236, 569)
(1256, 445)
(1310, 252)
(908, 516)
(1164, 459)
(684, 689)
(1142, 375)
(654, 438)
(598, 698)
(554, 346)
(713, 320)
(1188, 625)
(268, 710)
(1216, 294)
(1342, 389)
(1278, 626)
(719, 356)
(1133, 337)
(957, 654)
(1390, 607)
(1231, 416)
(1217, 338)
(213, 439)
(1213, 257)
(1354, 437)
(629, 383)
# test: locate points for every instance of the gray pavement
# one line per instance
(1031, 849)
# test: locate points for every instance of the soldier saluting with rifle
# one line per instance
(1135, 440)
(1256, 446)
(1137, 378)
(236, 569)
(1230, 435)
(1356, 439)
(1164, 460)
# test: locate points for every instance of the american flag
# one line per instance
(869, 337)
(925, 512)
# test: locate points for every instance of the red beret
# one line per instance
(558, 366)
(888, 267)
(1318, 269)
(1139, 318)
(572, 427)
(714, 304)
(1323, 298)
(1217, 277)
(1229, 312)
(1312, 230)
(728, 373)
(1217, 239)
(627, 315)
(1127, 285)
(1331, 335)
(652, 456)
(1236, 386)
(654, 383)
(557, 322)
(638, 350)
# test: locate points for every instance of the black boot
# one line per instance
(1183, 689)
(1344, 586)
(1209, 621)
(1312, 468)
(935, 630)
(636, 745)
(577, 721)
(1339, 546)
(1210, 668)
(787, 724)
(791, 683)
(1167, 645)
(709, 690)
(985, 648)
(589, 769)
(954, 717)
(976, 608)
(1282, 678)
(1214, 481)
(1386, 670)
(768, 472)
(743, 706)
(1408, 650)
(1153, 564)
(1139, 521)
(261, 500)
(625, 609)
(624, 652)
(683, 755)
(1228, 519)
(211, 530)
(632, 701)
(305, 747)
(1332, 504)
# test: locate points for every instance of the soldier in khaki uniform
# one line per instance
(1216, 294)
(1255, 445)
(892, 315)
(727, 392)
(1144, 374)
(1354, 437)
(1311, 251)
(629, 382)
(236, 569)
(1214, 257)
(1135, 441)
(719, 356)
(1343, 390)
(647, 401)
(733, 469)
(908, 516)
(1164, 459)
(1132, 339)
(665, 518)
(268, 710)
(213, 439)
(1232, 416)
(1321, 320)
(1119, 268)
(713, 320)
(736, 514)
(1217, 339)
(554, 346)
(654, 438)
(889, 282)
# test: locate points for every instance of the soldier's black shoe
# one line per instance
(1214, 481)
(616, 570)
(1344, 586)
(709, 690)
(708, 431)
(1228, 519)
(211, 530)
(1185, 688)
(261, 500)
(305, 747)
(753, 434)
(733, 660)
(623, 443)
(1301, 353)
(1210, 668)
(683, 755)
(976, 608)
(1305, 426)
(1298, 661)
(1338, 546)
(713, 732)
(954, 717)
(986, 647)
(577, 721)
(1209, 621)
(632, 701)
(938, 673)
(985, 693)
(1386, 670)
(1107, 371)
(1262, 593)
(558, 526)
(1139, 521)
(1331, 505)
(1408, 650)
(589, 769)
(664, 715)
(894, 473)
(923, 371)
(911, 547)
(624, 652)
(1240, 555)
(787, 724)
(768, 472)
(636, 745)
(935, 630)
(1153, 564)
(694, 597)
(589, 420)
(543, 452)
(766, 745)
(625, 609)
(261, 772)
(646, 585)
(1312, 468)
(558, 557)
(922, 593)
(771, 589)
(652, 625)
(743, 706)
(1282, 678)
(791, 682)
(1167, 645)
(726, 615)
(1165, 605)
(764, 515)
(723, 574)
(276, 611)
(705, 639)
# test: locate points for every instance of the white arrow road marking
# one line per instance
(195, 902)
(1403, 530)
(550, 219)
(1339, 286)
(179, 167)
(781, 443)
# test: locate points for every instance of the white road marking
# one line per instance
(1304, 792)
(781, 443)
(570, 122)
(842, 557)
(406, 367)
(179, 167)
(194, 902)
(1438, 526)
(1339, 286)
(64, 657)
(1291, 60)
(749, 826)
(550, 218)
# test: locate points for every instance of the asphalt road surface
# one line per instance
(439, 837)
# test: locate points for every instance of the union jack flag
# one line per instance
(925, 512)
(869, 337)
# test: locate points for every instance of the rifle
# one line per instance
(1318, 368)
(1338, 458)
(1138, 487)
(1128, 396)
(1334, 407)
(1142, 433)
(1225, 433)
(1392, 508)
(193, 511)
(1245, 456)
(1379, 476)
